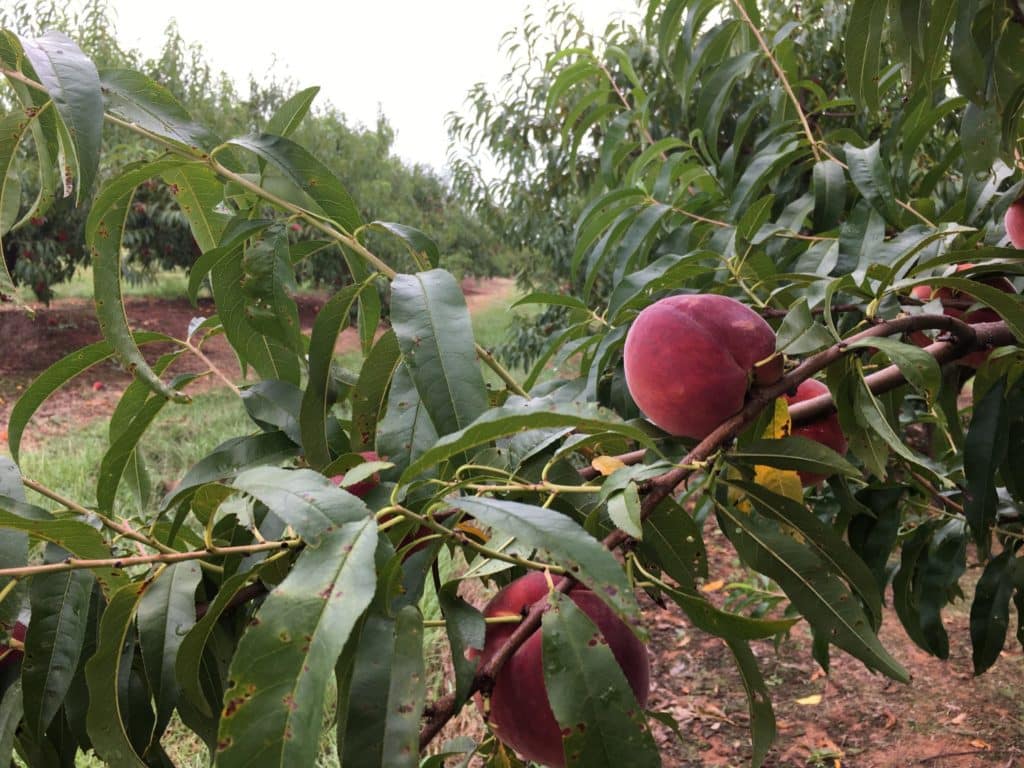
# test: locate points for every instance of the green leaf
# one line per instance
(13, 128)
(10, 719)
(422, 249)
(863, 49)
(406, 431)
(274, 405)
(759, 702)
(288, 116)
(268, 284)
(797, 453)
(54, 377)
(136, 99)
(872, 533)
(519, 414)
(364, 681)
(193, 644)
(829, 194)
(235, 233)
(716, 88)
(166, 613)
(979, 136)
(230, 458)
(990, 611)
(53, 646)
(369, 398)
(316, 404)
(822, 540)
(304, 499)
(273, 711)
(984, 450)
(811, 585)
(308, 174)
(871, 177)
(73, 83)
(569, 545)
(917, 366)
(624, 510)
(465, 627)
(430, 318)
(677, 543)
(1009, 306)
(271, 358)
(799, 333)
(123, 448)
(80, 539)
(406, 692)
(199, 193)
(104, 234)
(730, 626)
(589, 694)
(104, 673)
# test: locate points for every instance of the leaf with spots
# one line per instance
(759, 702)
(603, 726)
(73, 83)
(104, 232)
(406, 693)
(304, 499)
(308, 174)
(199, 194)
(569, 546)
(273, 709)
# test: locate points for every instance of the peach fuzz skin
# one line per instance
(690, 359)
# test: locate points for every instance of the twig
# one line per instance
(77, 564)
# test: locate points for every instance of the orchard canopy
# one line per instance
(845, 174)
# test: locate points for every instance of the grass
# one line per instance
(164, 284)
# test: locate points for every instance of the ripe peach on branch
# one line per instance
(691, 359)
(519, 713)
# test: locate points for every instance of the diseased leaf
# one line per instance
(590, 695)
(569, 544)
(273, 710)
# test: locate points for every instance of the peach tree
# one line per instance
(815, 166)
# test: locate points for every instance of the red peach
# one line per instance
(362, 487)
(520, 715)
(1014, 223)
(690, 360)
(825, 430)
(949, 295)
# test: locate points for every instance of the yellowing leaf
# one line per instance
(784, 482)
(713, 586)
(810, 701)
(780, 425)
(472, 530)
(606, 464)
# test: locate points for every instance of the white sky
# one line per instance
(413, 59)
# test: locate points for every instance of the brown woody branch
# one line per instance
(968, 338)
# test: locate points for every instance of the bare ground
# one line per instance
(945, 718)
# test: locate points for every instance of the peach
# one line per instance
(520, 715)
(362, 487)
(949, 295)
(825, 430)
(1014, 223)
(690, 360)
(12, 654)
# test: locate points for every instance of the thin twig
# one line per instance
(77, 564)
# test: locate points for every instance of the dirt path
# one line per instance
(29, 344)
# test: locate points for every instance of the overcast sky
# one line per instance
(413, 59)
